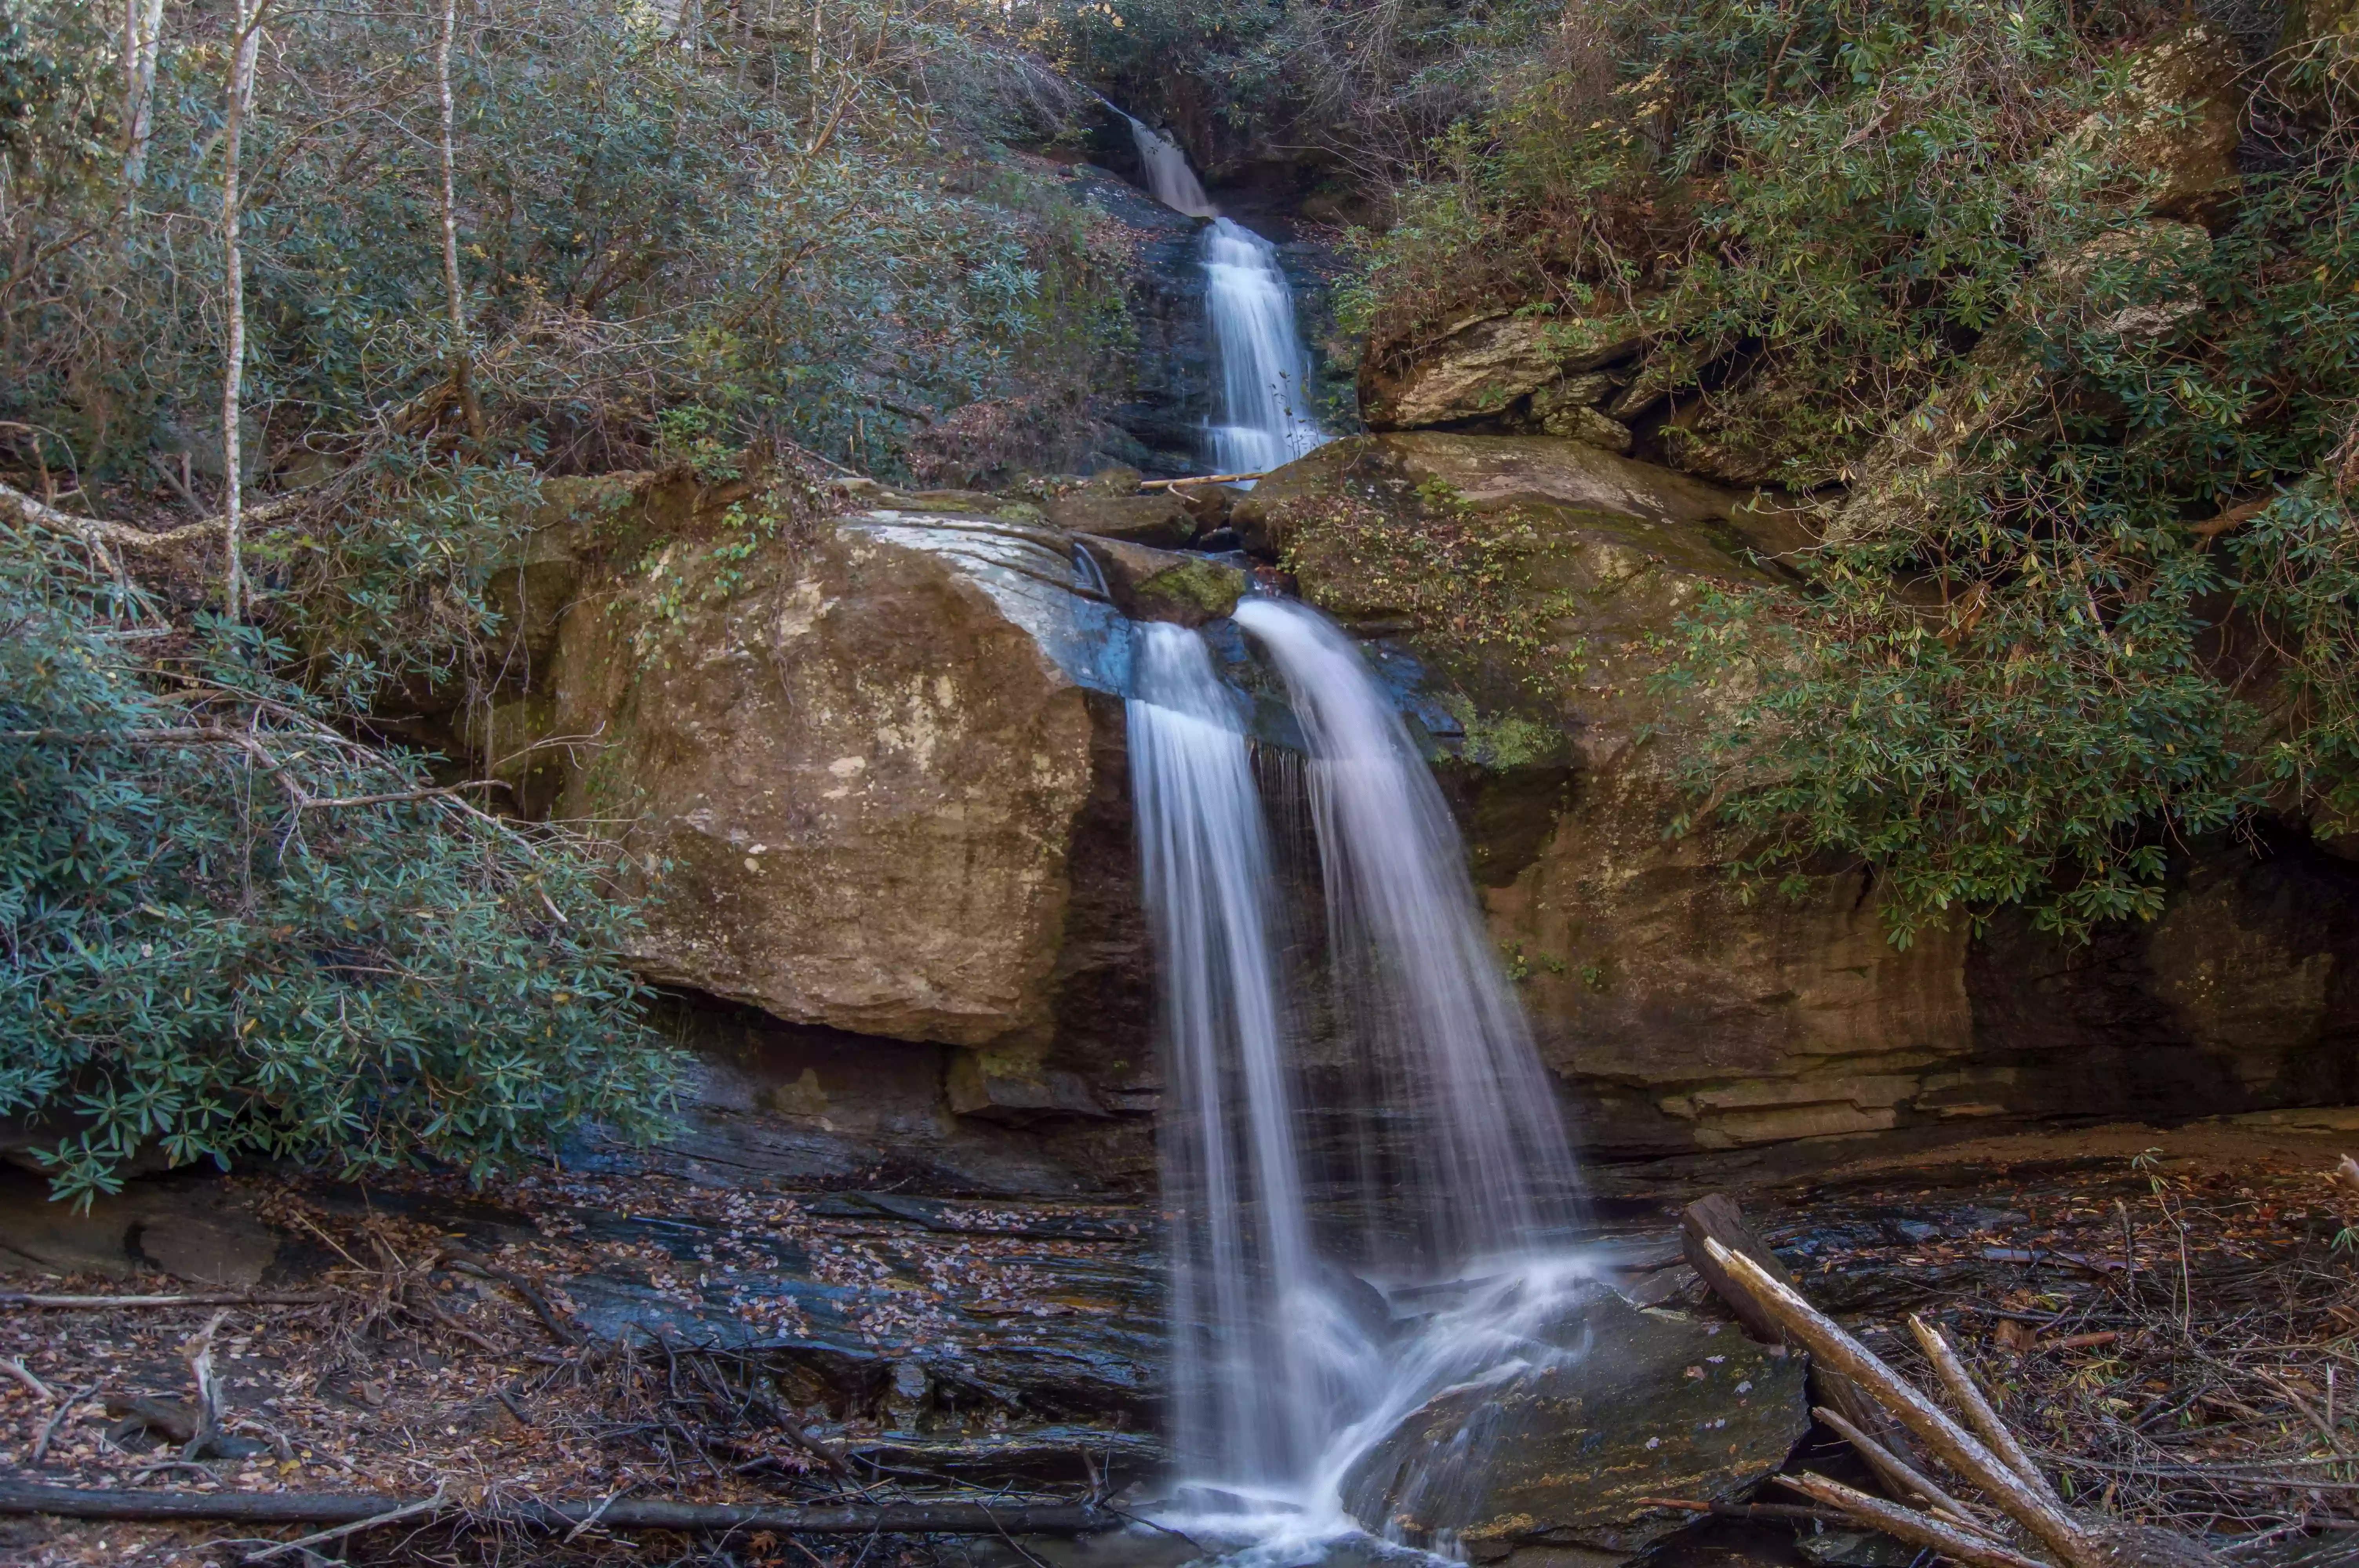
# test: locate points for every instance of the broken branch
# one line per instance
(1951, 1443)
(347, 1508)
(1908, 1525)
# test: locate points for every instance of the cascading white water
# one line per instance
(1261, 416)
(1290, 1375)
(1241, 1251)
(1473, 1161)
(1169, 179)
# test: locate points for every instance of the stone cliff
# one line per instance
(872, 779)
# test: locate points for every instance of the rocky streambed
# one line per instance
(742, 1340)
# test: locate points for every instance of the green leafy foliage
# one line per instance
(2070, 395)
(227, 928)
(772, 219)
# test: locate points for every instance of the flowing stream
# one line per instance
(1305, 1335)
(1261, 416)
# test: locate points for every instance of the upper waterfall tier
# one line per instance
(1261, 417)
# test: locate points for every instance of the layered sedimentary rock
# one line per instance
(1684, 1010)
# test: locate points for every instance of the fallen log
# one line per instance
(19, 507)
(1989, 1457)
(1199, 479)
(1715, 1217)
(355, 1508)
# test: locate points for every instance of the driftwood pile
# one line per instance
(2018, 1520)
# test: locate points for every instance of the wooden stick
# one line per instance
(1199, 479)
(336, 1532)
(15, 1367)
(58, 1418)
(11, 1299)
(1951, 1443)
(1895, 1472)
(351, 1507)
(1979, 1413)
(201, 1368)
(1906, 1524)
(1780, 1512)
(558, 1330)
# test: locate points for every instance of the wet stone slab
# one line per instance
(1646, 1403)
(926, 1317)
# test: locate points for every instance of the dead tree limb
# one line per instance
(1716, 1217)
(2077, 1540)
(1900, 1478)
(16, 506)
(559, 1329)
(1978, 1412)
(350, 1508)
(1909, 1525)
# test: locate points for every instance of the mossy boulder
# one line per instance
(1167, 585)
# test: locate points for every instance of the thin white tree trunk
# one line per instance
(143, 38)
(243, 46)
(461, 366)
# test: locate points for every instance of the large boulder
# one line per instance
(2177, 126)
(1625, 1405)
(849, 772)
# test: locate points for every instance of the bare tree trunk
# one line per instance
(463, 373)
(243, 46)
(143, 38)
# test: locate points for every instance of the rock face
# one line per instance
(1170, 357)
(1678, 1013)
(1483, 366)
(856, 768)
(878, 785)
(1643, 1404)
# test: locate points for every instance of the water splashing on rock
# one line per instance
(1307, 1338)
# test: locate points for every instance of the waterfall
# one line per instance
(1169, 179)
(1261, 416)
(1304, 1338)
(1241, 1249)
(1473, 1161)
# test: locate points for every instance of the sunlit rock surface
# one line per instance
(1481, 366)
(850, 771)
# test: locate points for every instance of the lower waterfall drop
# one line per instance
(1474, 1163)
(1241, 1260)
(1306, 1337)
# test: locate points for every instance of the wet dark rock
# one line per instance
(1650, 1405)
(1170, 354)
(878, 1324)
(1045, 1456)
